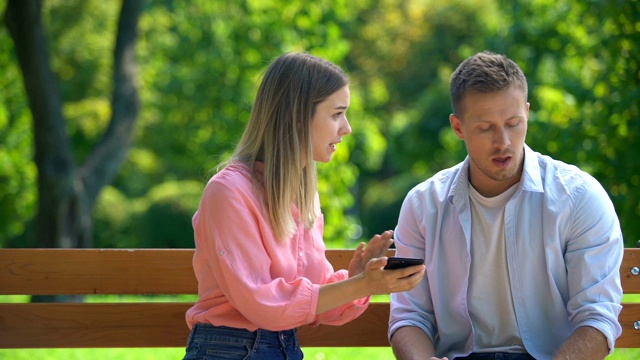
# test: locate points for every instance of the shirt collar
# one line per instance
(531, 179)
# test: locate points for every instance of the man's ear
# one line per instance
(456, 126)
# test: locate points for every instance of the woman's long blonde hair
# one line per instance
(279, 135)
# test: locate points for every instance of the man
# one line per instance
(522, 251)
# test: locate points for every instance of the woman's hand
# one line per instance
(374, 280)
(367, 276)
(379, 281)
(368, 261)
(376, 248)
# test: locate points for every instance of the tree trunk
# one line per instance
(67, 192)
(52, 149)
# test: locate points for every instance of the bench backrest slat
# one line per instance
(97, 271)
(108, 271)
(152, 324)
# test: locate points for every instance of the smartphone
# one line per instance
(400, 262)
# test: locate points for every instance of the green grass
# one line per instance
(161, 354)
(634, 298)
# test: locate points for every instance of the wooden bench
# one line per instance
(162, 324)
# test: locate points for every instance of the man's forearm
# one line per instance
(411, 343)
(585, 343)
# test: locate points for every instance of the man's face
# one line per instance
(493, 127)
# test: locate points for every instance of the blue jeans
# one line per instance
(221, 342)
(497, 356)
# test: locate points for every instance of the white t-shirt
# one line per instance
(490, 302)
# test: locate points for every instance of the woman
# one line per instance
(259, 256)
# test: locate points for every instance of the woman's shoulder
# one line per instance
(234, 176)
(234, 170)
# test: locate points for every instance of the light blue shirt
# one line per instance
(564, 249)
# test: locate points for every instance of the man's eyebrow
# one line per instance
(519, 117)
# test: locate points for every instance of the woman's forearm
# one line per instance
(341, 292)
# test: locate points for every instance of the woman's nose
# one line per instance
(346, 128)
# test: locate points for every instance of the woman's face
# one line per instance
(330, 124)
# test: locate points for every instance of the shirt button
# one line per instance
(300, 253)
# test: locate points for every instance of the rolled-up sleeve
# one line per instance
(249, 279)
(593, 257)
(235, 261)
(413, 307)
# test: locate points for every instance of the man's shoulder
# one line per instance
(559, 175)
(560, 169)
(439, 182)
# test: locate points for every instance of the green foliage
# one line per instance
(402, 56)
(159, 219)
(585, 79)
(17, 176)
(201, 71)
(200, 62)
(18, 173)
(583, 76)
(114, 220)
(82, 60)
(166, 222)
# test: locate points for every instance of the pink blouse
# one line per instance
(246, 278)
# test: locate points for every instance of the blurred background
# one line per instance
(80, 169)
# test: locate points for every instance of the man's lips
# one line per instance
(502, 161)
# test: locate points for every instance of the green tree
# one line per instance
(581, 59)
(202, 62)
(66, 191)
(17, 171)
(402, 55)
